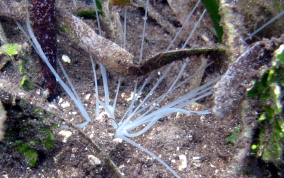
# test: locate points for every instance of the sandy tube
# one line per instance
(104, 51)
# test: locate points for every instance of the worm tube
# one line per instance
(42, 17)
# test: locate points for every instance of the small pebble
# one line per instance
(183, 162)
(65, 134)
(94, 160)
(66, 59)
